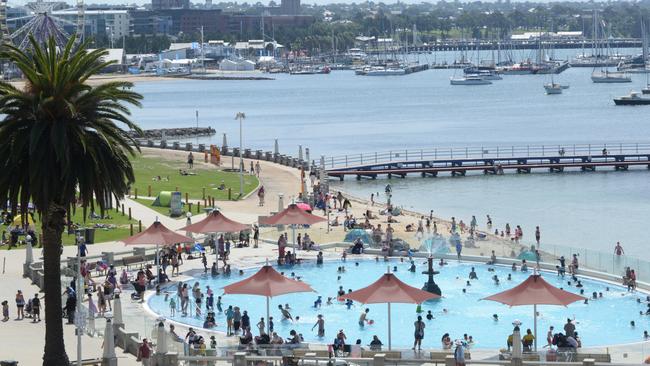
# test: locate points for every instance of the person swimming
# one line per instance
(412, 267)
(430, 315)
(318, 302)
(285, 313)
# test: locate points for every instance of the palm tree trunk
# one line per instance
(53, 225)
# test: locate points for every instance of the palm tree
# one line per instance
(61, 145)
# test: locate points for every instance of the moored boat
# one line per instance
(634, 98)
(469, 80)
(610, 77)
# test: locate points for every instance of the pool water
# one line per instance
(601, 322)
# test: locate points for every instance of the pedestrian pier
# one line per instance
(489, 160)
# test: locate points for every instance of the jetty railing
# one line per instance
(483, 152)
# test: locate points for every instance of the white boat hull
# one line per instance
(389, 72)
(469, 82)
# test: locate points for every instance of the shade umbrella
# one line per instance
(304, 206)
(292, 215)
(389, 289)
(269, 283)
(535, 291)
(215, 222)
(157, 234)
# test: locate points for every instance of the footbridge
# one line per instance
(489, 160)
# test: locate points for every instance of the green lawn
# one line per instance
(120, 227)
(148, 169)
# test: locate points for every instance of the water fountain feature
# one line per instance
(430, 285)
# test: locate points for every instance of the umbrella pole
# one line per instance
(535, 326)
(157, 264)
(268, 318)
(293, 238)
(389, 330)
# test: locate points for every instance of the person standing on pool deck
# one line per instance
(320, 323)
(419, 333)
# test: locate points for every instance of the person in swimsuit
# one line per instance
(320, 323)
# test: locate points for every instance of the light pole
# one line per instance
(197, 128)
(78, 292)
(241, 116)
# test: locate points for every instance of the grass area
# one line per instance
(161, 210)
(119, 227)
(147, 169)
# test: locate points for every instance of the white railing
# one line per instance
(484, 152)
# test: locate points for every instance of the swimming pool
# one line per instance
(604, 321)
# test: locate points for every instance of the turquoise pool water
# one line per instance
(600, 322)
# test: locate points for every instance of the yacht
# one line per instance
(634, 98)
(469, 80)
(384, 71)
(610, 77)
(553, 88)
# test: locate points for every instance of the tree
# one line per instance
(61, 145)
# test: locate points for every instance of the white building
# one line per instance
(114, 23)
(236, 65)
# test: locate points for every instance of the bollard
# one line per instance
(205, 202)
(449, 360)
(136, 193)
(190, 207)
(198, 207)
(203, 193)
(149, 190)
(187, 198)
(176, 189)
(229, 194)
(122, 209)
(129, 213)
(379, 359)
(131, 228)
(139, 226)
(213, 201)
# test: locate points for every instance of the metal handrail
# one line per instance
(483, 152)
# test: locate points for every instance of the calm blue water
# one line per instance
(465, 313)
(343, 113)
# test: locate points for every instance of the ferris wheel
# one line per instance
(42, 23)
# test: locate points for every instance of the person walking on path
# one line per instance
(419, 333)
(20, 304)
(190, 160)
(144, 352)
(538, 235)
(258, 169)
(260, 195)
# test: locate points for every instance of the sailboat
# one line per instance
(554, 88)
(604, 75)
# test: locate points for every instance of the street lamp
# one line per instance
(241, 116)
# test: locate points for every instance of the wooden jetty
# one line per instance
(489, 160)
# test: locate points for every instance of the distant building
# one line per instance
(213, 21)
(113, 23)
(118, 57)
(287, 7)
(170, 4)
